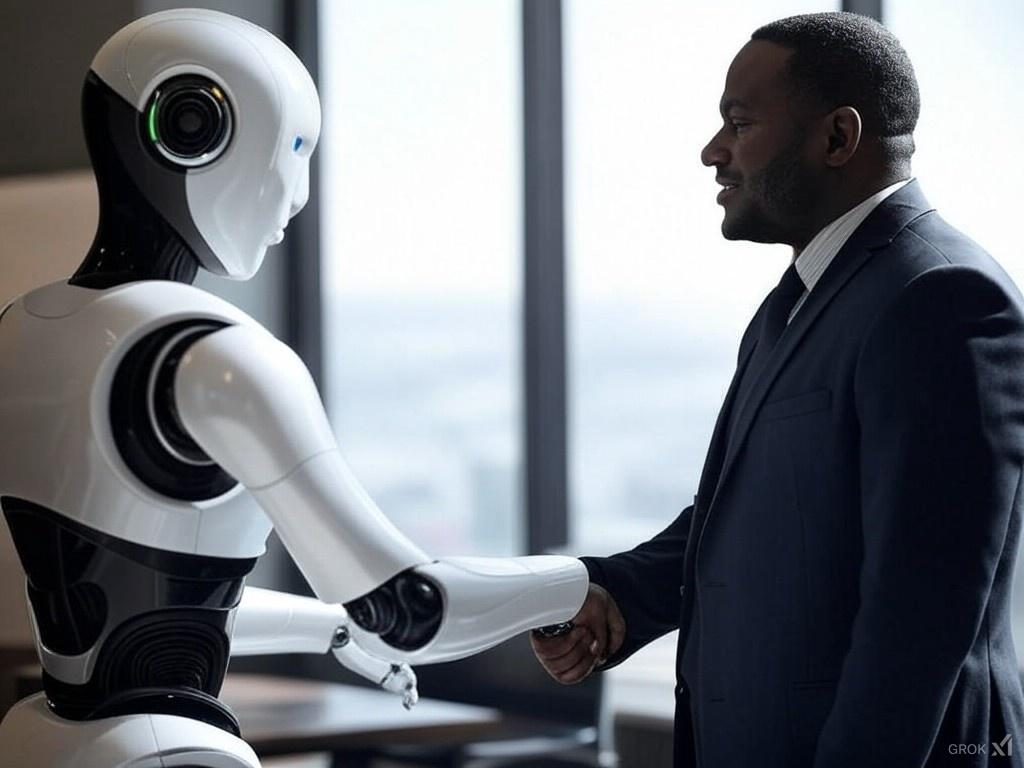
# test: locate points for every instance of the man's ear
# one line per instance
(843, 130)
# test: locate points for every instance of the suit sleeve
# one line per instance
(645, 585)
(938, 392)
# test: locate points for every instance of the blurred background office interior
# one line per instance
(510, 282)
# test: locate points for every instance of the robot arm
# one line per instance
(250, 404)
(276, 622)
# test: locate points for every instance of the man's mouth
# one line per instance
(728, 190)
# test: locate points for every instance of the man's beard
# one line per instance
(775, 203)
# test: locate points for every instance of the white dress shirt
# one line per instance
(819, 253)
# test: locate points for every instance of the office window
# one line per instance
(421, 187)
(657, 299)
(970, 69)
(969, 65)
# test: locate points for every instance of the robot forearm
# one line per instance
(430, 611)
(456, 607)
(268, 622)
(438, 612)
(341, 541)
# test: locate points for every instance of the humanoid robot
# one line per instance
(153, 435)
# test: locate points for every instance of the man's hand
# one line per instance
(598, 633)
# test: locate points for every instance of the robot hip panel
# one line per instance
(112, 617)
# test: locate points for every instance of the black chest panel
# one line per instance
(143, 416)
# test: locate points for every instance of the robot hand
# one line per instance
(396, 677)
(268, 622)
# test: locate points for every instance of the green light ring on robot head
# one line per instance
(151, 119)
(189, 121)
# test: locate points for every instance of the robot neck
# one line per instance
(133, 243)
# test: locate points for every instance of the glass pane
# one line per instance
(658, 300)
(421, 259)
(969, 64)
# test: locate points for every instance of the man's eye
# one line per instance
(739, 124)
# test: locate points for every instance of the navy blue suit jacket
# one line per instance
(842, 581)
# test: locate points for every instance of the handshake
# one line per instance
(597, 633)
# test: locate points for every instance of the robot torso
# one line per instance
(135, 543)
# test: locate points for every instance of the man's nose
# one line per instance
(714, 153)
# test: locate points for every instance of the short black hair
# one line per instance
(845, 59)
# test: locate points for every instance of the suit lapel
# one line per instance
(878, 230)
(719, 437)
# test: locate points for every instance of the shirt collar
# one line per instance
(819, 253)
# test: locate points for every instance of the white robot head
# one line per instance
(200, 126)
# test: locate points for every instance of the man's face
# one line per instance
(761, 151)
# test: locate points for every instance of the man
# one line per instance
(842, 579)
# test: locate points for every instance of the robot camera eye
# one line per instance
(188, 121)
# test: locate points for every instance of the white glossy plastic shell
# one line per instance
(31, 736)
(250, 403)
(60, 347)
(276, 622)
(489, 600)
(241, 202)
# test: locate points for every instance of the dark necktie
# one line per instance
(780, 304)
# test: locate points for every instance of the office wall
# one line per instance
(48, 220)
(47, 49)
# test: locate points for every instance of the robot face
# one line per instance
(227, 116)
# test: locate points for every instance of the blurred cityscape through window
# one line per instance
(421, 215)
